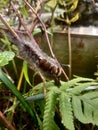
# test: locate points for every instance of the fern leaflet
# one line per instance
(48, 119)
(77, 109)
(82, 87)
(85, 108)
(66, 111)
(74, 82)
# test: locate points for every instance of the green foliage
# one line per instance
(5, 57)
(87, 105)
(3, 3)
(66, 10)
(66, 111)
(23, 11)
(48, 122)
(75, 99)
(14, 90)
(25, 70)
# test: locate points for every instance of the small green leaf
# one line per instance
(5, 40)
(36, 31)
(5, 57)
(23, 10)
(96, 73)
(52, 3)
(75, 18)
(73, 7)
(25, 69)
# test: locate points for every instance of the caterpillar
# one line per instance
(34, 55)
(43, 61)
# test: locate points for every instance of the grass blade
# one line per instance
(19, 96)
(25, 70)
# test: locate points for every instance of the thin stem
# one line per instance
(70, 53)
(18, 88)
(6, 122)
(10, 29)
(19, 83)
(49, 45)
(24, 25)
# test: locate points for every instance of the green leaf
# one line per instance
(38, 89)
(48, 119)
(5, 57)
(67, 3)
(82, 87)
(77, 109)
(91, 95)
(25, 70)
(52, 3)
(74, 19)
(66, 111)
(19, 96)
(86, 109)
(36, 31)
(69, 21)
(96, 73)
(23, 10)
(74, 6)
(5, 40)
(74, 83)
(96, 117)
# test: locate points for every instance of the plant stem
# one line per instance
(7, 123)
(70, 52)
(18, 88)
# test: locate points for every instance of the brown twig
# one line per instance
(20, 18)
(6, 122)
(10, 29)
(38, 10)
(24, 25)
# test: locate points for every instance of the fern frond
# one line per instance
(82, 87)
(74, 82)
(91, 95)
(66, 111)
(48, 119)
(38, 89)
(78, 110)
(85, 107)
(95, 118)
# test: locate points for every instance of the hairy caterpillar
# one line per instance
(43, 61)
(34, 55)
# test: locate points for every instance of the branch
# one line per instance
(9, 28)
(6, 122)
(49, 45)
(24, 25)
